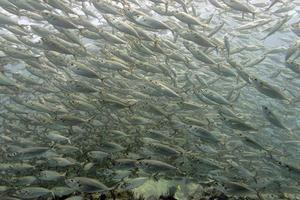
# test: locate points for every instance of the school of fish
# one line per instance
(99, 96)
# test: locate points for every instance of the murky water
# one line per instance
(160, 97)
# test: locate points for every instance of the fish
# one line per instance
(6, 20)
(268, 89)
(277, 26)
(239, 124)
(29, 153)
(60, 5)
(25, 181)
(84, 184)
(132, 183)
(186, 18)
(57, 20)
(154, 166)
(204, 135)
(33, 192)
(240, 6)
(121, 26)
(151, 23)
(271, 117)
(99, 97)
(61, 191)
(47, 175)
(56, 136)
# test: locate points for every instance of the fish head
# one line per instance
(264, 108)
(46, 13)
(142, 164)
(22, 192)
(108, 17)
(71, 64)
(42, 174)
(12, 155)
(254, 80)
(72, 183)
(91, 154)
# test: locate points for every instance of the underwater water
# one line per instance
(149, 99)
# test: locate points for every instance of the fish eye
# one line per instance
(12, 154)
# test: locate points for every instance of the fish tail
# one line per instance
(265, 37)
(290, 131)
(170, 115)
(166, 6)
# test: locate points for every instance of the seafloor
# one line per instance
(213, 195)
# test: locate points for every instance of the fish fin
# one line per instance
(175, 36)
(234, 99)
(194, 11)
(290, 131)
(265, 37)
(229, 95)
